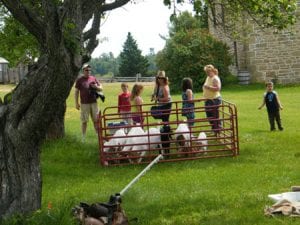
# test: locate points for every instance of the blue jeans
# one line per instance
(162, 111)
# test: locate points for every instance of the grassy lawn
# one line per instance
(221, 191)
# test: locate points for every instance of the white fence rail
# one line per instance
(15, 75)
(137, 78)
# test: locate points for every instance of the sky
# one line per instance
(146, 20)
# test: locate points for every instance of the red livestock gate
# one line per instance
(121, 142)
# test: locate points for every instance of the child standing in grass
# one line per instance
(187, 98)
(136, 102)
(124, 103)
(272, 102)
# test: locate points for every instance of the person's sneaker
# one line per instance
(281, 128)
(83, 139)
(272, 129)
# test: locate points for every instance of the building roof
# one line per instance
(2, 60)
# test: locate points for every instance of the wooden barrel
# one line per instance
(244, 77)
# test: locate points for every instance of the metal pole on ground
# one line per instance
(141, 174)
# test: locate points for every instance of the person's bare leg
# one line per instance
(96, 127)
(83, 130)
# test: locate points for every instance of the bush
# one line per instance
(187, 52)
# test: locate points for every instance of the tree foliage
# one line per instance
(106, 63)
(267, 13)
(131, 60)
(189, 49)
(17, 45)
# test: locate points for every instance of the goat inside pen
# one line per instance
(123, 143)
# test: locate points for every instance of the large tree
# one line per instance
(131, 60)
(20, 47)
(58, 26)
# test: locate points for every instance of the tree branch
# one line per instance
(94, 29)
(113, 5)
(31, 20)
(91, 34)
(93, 7)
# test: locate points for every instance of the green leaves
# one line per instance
(278, 14)
(188, 50)
(17, 45)
(71, 37)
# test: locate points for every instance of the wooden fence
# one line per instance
(137, 78)
(13, 75)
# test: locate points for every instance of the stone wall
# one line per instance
(266, 55)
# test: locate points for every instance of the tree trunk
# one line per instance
(39, 98)
(56, 129)
(20, 175)
(37, 101)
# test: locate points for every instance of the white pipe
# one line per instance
(141, 174)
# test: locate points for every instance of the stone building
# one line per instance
(263, 54)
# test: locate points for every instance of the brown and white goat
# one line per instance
(202, 142)
(183, 138)
(115, 144)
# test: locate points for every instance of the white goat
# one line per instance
(183, 137)
(137, 141)
(154, 137)
(116, 142)
(202, 141)
(135, 138)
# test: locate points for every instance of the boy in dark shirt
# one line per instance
(272, 102)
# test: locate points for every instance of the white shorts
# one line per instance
(89, 110)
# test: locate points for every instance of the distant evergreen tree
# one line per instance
(131, 60)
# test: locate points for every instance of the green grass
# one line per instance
(221, 191)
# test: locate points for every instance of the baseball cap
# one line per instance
(86, 66)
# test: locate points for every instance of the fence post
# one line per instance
(6, 79)
(1, 77)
